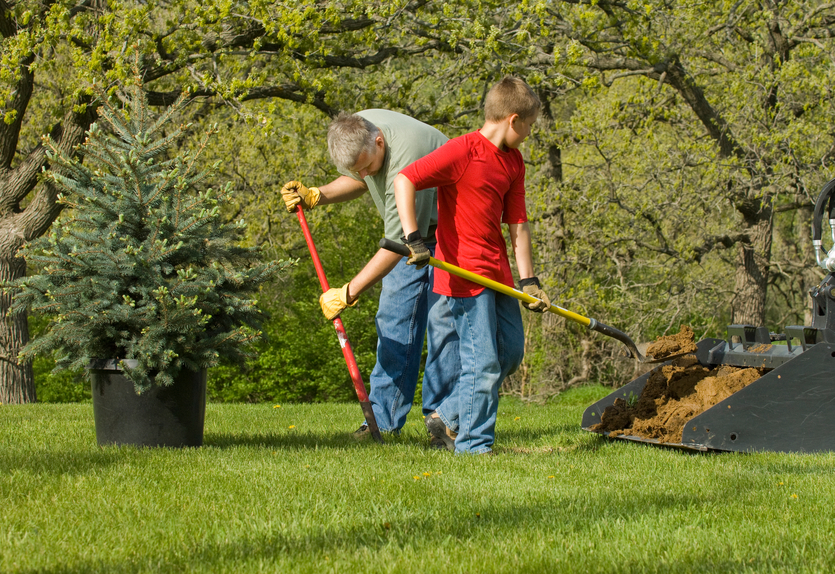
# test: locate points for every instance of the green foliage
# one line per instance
(62, 386)
(55, 385)
(675, 138)
(670, 176)
(295, 365)
(143, 267)
(300, 358)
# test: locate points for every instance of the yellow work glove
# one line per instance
(294, 193)
(530, 286)
(418, 252)
(333, 302)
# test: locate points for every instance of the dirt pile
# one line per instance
(673, 395)
(682, 342)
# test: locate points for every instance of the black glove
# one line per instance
(530, 286)
(418, 253)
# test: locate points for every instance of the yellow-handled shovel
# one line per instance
(592, 324)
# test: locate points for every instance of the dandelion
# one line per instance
(794, 496)
(552, 476)
(416, 477)
(427, 474)
(517, 418)
(277, 407)
(291, 427)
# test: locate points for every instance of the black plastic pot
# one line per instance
(161, 416)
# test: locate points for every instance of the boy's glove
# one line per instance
(530, 286)
(333, 302)
(294, 193)
(419, 254)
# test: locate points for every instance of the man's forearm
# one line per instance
(341, 189)
(377, 267)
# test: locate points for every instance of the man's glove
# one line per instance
(530, 286)
(333, 302)
(294, 193)
(418, 253)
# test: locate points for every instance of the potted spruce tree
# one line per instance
(145, 283)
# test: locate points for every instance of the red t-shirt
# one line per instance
(479, 188)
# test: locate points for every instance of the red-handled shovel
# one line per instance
(359, 386)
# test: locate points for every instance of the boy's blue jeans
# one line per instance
(407, 306)
(491, 347)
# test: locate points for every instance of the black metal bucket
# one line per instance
(789, 409)
(161, 416)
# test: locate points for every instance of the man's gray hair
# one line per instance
(348, 136)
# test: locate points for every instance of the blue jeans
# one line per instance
(491, 346)
(407, 306)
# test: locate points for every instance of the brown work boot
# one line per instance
(440, 435)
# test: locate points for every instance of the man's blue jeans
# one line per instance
(492, 344)
(407, 305)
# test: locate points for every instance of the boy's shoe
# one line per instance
(441, 437)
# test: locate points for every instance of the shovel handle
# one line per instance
(401, 249)
(344, 343)
(592, 324)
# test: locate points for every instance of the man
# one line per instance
(370, 148)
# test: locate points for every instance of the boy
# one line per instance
(369, 148)
(481, 184)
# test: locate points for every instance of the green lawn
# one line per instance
(281, 489)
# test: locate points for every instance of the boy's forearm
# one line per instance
(520, 240)
(404, 196)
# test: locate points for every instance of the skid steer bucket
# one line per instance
(789, 408)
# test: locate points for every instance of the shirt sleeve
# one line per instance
(444, 166)
(515, 210)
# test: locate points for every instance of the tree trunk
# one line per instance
(17, 382)
(19, 224)
(751, 283)
(811, 274)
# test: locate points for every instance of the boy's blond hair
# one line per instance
(348, 136)
(510, 96)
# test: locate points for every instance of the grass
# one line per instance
(287, 489)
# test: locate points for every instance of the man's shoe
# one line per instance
(362, 433)
(440, 436)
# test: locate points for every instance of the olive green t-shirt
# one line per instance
(407, 140)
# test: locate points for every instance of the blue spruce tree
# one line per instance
(142, 264)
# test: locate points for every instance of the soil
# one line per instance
(761, 348)
(674, 394)
(681, 342)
